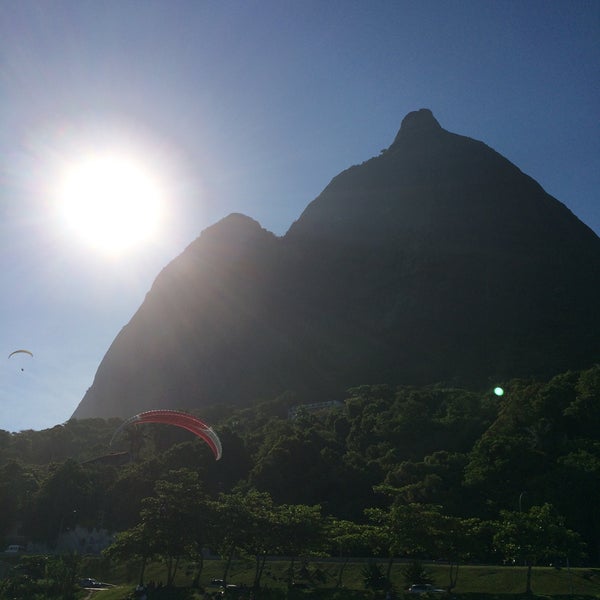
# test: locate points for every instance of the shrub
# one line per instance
(415, 572)
(373, 577)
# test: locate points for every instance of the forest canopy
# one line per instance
(462, 456)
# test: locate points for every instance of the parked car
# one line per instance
(424, 588)
(89, 582)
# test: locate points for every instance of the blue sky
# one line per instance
(251, 107)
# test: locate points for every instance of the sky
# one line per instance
(253, 107)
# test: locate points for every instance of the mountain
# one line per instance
(437, 261)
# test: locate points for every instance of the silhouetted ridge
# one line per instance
(438, 260)
(418, 123)
(438, 190)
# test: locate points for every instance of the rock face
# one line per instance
(437, 261)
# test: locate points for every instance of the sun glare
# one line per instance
(110, 201)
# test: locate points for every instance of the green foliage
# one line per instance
(62, 572)
(432, 467)
(17, 485)
(63, 498)
(42, 577)
(415, 572)
(373, 577)
(536, 536)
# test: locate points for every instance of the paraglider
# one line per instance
(179, 419)
(21, 352)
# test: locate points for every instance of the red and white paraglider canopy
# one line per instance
(179, 419)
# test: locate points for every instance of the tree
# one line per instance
(17, 486)
(251, 523)
(23, 579)
(137, 542)
(248, 523)
(171, 517)
(437, 479)
(406, 529)
(172, 526)
(583, 413)
(123, 498)
(135, 438)
(535, 536)
(61, 500)
(577, 483)
(232, 524)
(502, 463)
(457, 540)
(62, 571)
(346, 537)
(300, 530)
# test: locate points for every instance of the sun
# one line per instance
(110, 201)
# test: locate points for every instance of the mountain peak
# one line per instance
(439, 261)
(418, 122)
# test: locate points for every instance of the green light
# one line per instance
(498, 391)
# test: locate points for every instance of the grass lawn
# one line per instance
(474, 582)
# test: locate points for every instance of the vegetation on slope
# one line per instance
(413, 473)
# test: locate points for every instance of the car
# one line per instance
(424, 588)
(90, 582)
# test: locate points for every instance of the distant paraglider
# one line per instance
(21, 352)
(179, 419)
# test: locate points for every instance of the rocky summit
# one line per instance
(436, 261)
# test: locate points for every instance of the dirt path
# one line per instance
(92, 593)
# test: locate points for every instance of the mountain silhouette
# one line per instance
(436, 261)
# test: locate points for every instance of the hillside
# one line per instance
(464, 454)
(438, 260)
